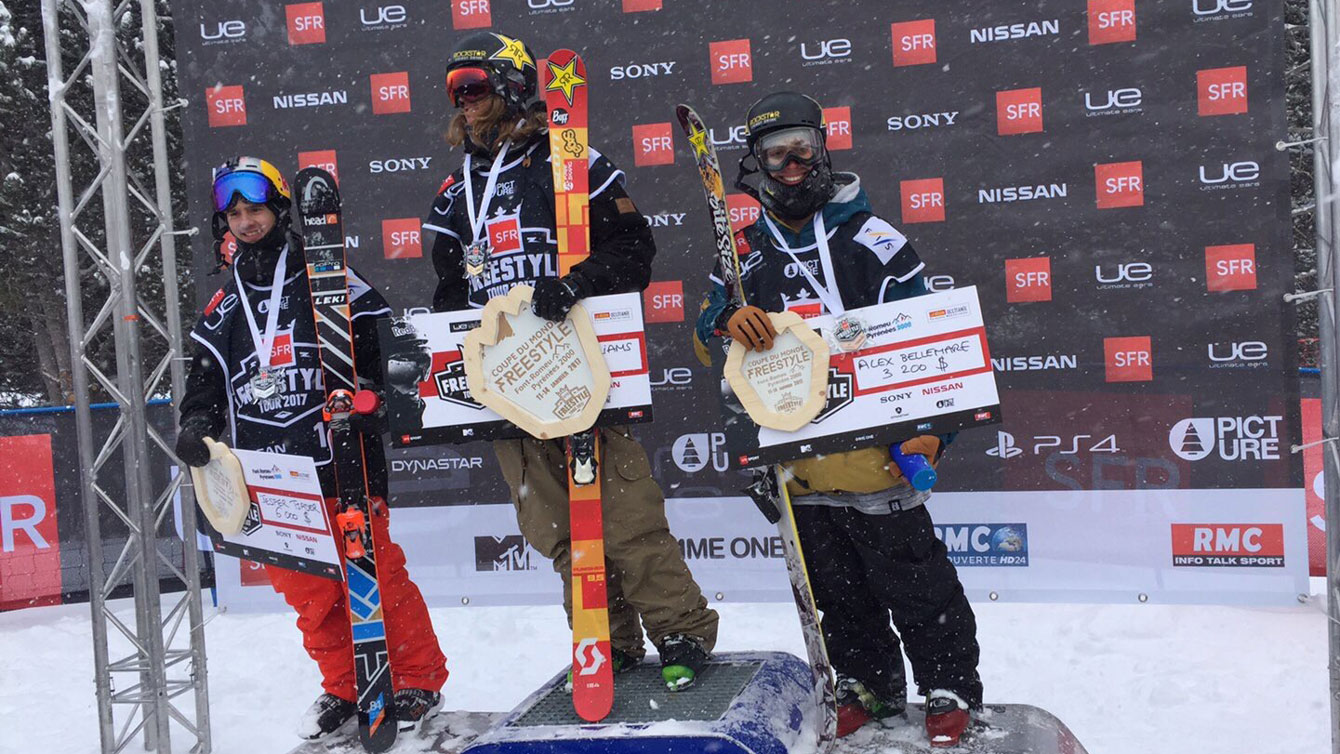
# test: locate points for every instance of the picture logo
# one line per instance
(695, 452)
(1231, 438)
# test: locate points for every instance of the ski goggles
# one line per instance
(253, 187)
(803, 145)
(468, 84)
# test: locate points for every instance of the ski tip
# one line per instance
(686, 113)
(593, 710)
(318, 191)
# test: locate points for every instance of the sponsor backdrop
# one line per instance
(1103, 171)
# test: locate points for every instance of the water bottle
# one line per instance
(915, 467)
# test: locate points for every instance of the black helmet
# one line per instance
(796, 123)
(508, 68)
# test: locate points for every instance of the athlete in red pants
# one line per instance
(245, 388)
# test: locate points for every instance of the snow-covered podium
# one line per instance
(743, 703)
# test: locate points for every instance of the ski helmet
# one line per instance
(782, 128)
(251, 179)
(485, 62)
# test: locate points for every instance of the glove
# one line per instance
(553, 298)
(191, 448)
(750, 325)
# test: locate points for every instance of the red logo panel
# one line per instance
(837, 122)
(1313, 486)
(914, 42)
(923, 200)
(653, 145)
(663, 301)
(1230, 268)
(401, 238)
(637, 6)
(743, 210)
(30, 570)
(1222, 91)
(324, 159)
(1028, 280)
(1120, 184)
(1128, 359)
(731, 61)
(1019, 111)
(471, 14)
(1228, 545)
(227, 106)
(1111, 21)
(504, 236)
(306, 23)
(281, 351)
(253, 574)
(390, 92)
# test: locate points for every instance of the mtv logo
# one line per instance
(506, 553)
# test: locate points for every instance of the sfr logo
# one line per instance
(401, 238)
(1222, 91)
(227, 106)
(471, 14)
(1111, 21)
(652, 145)
(837, 122)
(913, 42)
(923, 200)
(1028, 280)
(731, 61)
(390, 93)
(306, 23)
(1119, 184)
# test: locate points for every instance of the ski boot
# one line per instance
(947, 717)
(682, 659)
(623, 662)
(858, 705)
(325, 716)
(415, 706)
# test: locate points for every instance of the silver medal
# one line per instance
(476, 254)
(265, 384)
(849, 332)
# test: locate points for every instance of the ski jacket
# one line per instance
(218, 387)
(873, 263)
(519, 228)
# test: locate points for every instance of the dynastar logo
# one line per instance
(825, 52)
(1071, 445)
(539, 7)
(1124, 275)
(837, 126)
(1111, 21)
(923, 200)
(666, 219)
(913, 42)
(1022, 193)
(306, 23)
(1231, 267)
(1231, 545)
(1047, 363)
(663, 301)
(1128, 359)
(1114, 102)
(694, 452)
(310, 99)
(728, 138)
(1230, 175)
(1016, 31)
(1119, 184)
(222, 32)
(399, 165)
(1232, 438)
(1019, 111)
(1220, 10)
(1221, 91)
(1028, 280)
(915, 121)
(401, 238)
(226, 106)
(390, 93)
(731, 61)
(652, 145)
(1248, 354)
(642, 70)
(471, 14)
(383, 17)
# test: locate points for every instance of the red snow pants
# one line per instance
(323, 618)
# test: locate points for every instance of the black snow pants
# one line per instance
(867, 568)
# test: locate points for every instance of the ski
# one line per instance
(769, 489)
(592, 667)
(322, 229)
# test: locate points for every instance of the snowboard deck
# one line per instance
(998, 729)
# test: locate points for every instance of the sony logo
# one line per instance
(641, 70)
(399, 165)
(921, 120)
(665, 219)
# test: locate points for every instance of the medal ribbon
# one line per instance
(827, 293)
(477, 221)
(265, 343)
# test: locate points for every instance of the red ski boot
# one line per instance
(947, 717)
(857, 705)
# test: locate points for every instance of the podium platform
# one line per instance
(743, 703)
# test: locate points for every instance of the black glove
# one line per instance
(191, 448)
(553, 298)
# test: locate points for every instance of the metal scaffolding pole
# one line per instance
(163, 662)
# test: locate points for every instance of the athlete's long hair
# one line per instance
(497, 125)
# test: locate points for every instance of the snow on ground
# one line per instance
(1125, 678)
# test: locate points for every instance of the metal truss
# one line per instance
(162, 687)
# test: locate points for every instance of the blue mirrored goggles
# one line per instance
(252, 187)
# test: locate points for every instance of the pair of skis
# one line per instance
(769, 490)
